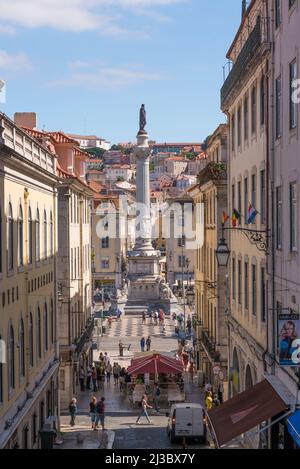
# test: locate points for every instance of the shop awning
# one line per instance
(244, 412)
(294, 427)
(155, 364)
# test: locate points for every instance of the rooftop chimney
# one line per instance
(26, 119)
(244, 8)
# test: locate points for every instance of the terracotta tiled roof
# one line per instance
(96, 186)
(60, 137)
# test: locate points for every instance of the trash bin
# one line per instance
(47, 438)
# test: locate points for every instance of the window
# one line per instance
(293, 217)
(30, 334)
(278, 107)
(239, 195)
(262, 101)
(246, 200)
(10, 240)
(20, 238)
(277, 13)
(38, 334)
(253, 110)
(181, 242)
(181, 261)
(240, 282)
(30, 237)
(246, 118)
(105, 263)
(263, 294)
(22, 349)
(254, 305)
(233, 280)
(293, 104)
(253, 190)
(233, 132)
(0, 240)
(279, 217)
(105, 243)
(51, 235)
(45, 235)
(246, 286)
(46, 328)
(11, 359)
(263, 196)
(233, 196)
(239, 127)
(291, 3)
(37, 237)
(52, 325)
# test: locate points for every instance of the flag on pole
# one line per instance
(252, 214)
(235, 217)
(225, 218)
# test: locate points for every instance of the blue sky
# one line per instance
(85, 66)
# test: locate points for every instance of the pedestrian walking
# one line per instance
(156, 395)
(81, 378)
(100, 414)
(106, 359)
(73, 411)
(209, 401)
(108, 372)
(156, 317)
(100, 376)
(122, 379)
(89, 377)
(93, 413)
(152, 318)
(185, 360)
(116, 373)
(121, 349)
(148, 343)
(142, 343)
(216, 401)
(94, 379)
(144, 406)
(144, 318)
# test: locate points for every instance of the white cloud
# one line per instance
(14, 62)
(5, 29)
(104, 77)
(76, 15)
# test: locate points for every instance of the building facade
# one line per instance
(28, 319)
(244, 100)
(211, 281)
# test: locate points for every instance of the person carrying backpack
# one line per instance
(156, 395)
(100, 413)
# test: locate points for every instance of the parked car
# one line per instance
(186, 421)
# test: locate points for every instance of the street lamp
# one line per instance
(222, 251)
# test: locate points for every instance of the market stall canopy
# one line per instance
(244, 412)
(155, 364)
(294, 427)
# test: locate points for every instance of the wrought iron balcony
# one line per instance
(86, 336)
(213, 172)
(257, 37)
(210, 345)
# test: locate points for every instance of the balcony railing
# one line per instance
(86, 335)
(213, 172)
(210, 345)
(257, 37)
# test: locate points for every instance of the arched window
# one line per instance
(38, 334)
(45, 328)
(52, 325)
(30, 334)
(20, 238)
(10, 238)
(30, 237)
(11, 358)
(51, 235)
(37, 237)
(21, 349)
(45, 235)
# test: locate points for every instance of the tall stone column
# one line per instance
(143, 227)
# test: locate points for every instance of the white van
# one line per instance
(186, 420)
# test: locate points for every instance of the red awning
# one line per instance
(244, 412)
(155, 364)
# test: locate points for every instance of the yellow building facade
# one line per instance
(28, 311)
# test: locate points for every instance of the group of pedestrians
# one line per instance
(145, 343)
(97, 412)
(157, 318)
(212, 399)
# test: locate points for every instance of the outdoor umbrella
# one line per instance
(155, 364)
